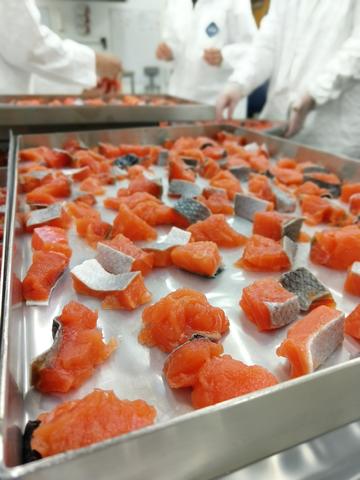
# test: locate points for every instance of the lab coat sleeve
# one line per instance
(31, 46)
(241, 30)
(342, 70)
(258, 64)
(169, 34)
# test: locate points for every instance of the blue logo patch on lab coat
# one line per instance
(212, 29)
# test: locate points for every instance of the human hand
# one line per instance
(107, 65)
(213, 56)
(298, 112)
(164, 52)
(228, 99)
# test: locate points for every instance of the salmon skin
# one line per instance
(175, 238)
(127, 161)
(246, 206)
(334, 189)
(315, 169)
(307, 287)
(284, 202)
(182, 188)
(192, 210)
(43, 215)
(112, 260)
(163, 158)
(311, 340)
(241, 172)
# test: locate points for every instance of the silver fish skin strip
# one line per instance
(284, 202)
(246, 206)
(184, 189)
(37, 217)
(112, 260)
(283, 313)
(292, 228)
(175, 238)
(93, 275)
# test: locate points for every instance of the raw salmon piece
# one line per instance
(92, 185)
(310, 188)
(178, 170)
(352, 282)
(154, 214)
(175, 318)
(51, 239)
(112, 203)
(336, 248)
(138, 198)
(182, 366)
(86, 198)
(276, 225)
(228, 182)
(80, 209)
(81, 175)
(90, 159)
(354, 204)
(288, 176)
(42, 275)
(217, 201)
(259, 162)
(143, 261)
(49, 193)
(202, 258)
(77, 350)
(141, 184)
(289, 163)
(315, 209)
(210, 168)
(349, 189)
(93, 230)
(134, 295)
(215, 152)
(269, 305)
(132, 226)
(135, 170)
(67, 427)
(326, 178)
(108, 150)
(51, 158)
(263, 254)
(222, 378)
(260, 186)
(311, 340)
(30, 180)
(194, 154)
(352, 323)
(216, 229)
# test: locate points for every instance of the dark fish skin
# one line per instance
(127, 161)
(182, 188)
(241, 173)
(28, 454)
(335, 190)
(315, 169)
(292, 228)
(246, 206)
(163, 158)
(192, 210)
(306, 286)
(190, 162)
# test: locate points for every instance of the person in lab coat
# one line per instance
(203, 38)
(27, 47)
(310, 51)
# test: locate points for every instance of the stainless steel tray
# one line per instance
(184, 444)
(28, 119)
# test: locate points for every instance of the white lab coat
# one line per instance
(310, 46)
(224, 24)
(27, 47)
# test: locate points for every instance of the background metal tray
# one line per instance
(201, 444)
(29, 119)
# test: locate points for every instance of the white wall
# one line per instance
(131, 29)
